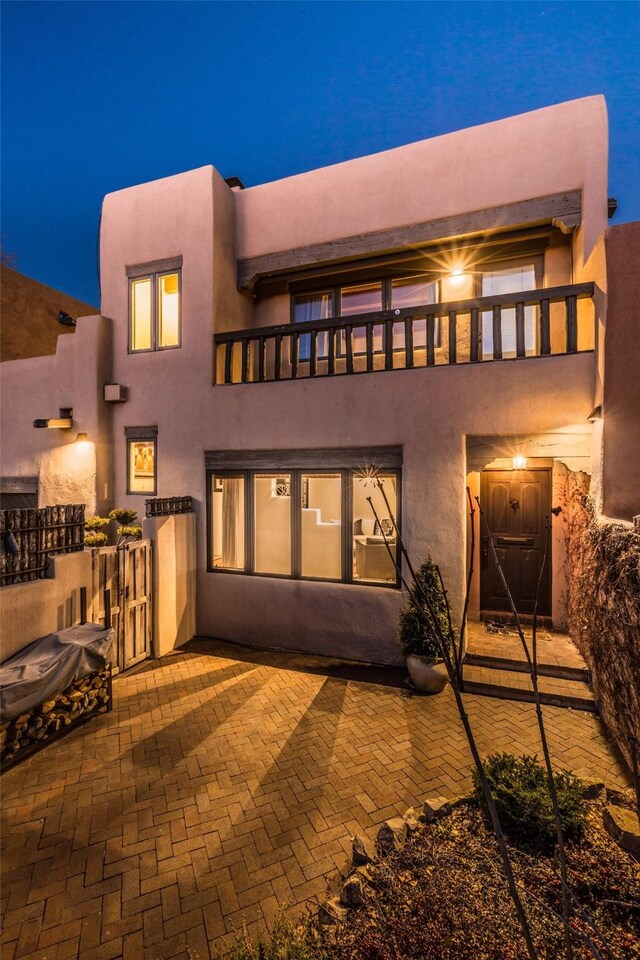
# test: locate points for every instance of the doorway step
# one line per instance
(495, 666)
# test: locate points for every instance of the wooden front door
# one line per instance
(516, 504)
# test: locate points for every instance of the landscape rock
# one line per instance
(411, 820)
(593, 788)
(392, 834)
(361, 853)
(332, 912)
(435, 808)
(352, 894)
(622, 825)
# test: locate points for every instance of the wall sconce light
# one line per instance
(62, 422)
(519, 463)
(81, 437)
(596, 414)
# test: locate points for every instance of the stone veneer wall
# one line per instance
(603, 579)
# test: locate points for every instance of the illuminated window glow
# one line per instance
(141, 314)
(155, 312)
(141, 468)
(304, 524)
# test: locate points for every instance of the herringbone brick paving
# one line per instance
(218, 789)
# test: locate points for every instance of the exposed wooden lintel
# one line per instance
(561, 209)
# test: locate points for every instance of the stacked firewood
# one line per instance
(80, 699)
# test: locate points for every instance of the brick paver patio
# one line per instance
(219, 788)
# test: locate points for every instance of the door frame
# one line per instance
(543, 614)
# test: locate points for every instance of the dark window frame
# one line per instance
(154, 272)
(147, 435)
(347, 474)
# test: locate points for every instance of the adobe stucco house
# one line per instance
(436, 310)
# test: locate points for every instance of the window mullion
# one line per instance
(296, 524)
(347, 513)
(249, 527)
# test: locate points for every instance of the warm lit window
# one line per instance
(154, 307)
(365, 298)
(517, 279)
(227, 520)
(142, 461)
(310, 524)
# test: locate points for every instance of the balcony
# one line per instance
(535, 323)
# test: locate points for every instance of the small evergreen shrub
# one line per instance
(134, 531)
(414, 635)
(519, 786)
(96, 523)
(95, 539)
(121, 515)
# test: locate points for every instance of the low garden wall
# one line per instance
(603, 607)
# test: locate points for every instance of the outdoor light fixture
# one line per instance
(596, 414)
(65, 319)
(519, 462)
(62, 422)
(81, 437)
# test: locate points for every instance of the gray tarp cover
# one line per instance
(47, 666)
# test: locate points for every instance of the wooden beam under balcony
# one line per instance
(563, 210)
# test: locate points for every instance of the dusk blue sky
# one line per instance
(102, 95)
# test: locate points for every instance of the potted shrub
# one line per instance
(418, 640)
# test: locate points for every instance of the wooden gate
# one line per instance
(126, 572)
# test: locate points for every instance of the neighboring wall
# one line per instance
(31, 610)
(604, 612)
(621, 407)
(36, 388)
(30, 326)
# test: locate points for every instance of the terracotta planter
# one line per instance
(428, 677)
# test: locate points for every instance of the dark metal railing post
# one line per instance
(453, 316)
(521, 349)
(572, 324)
(348, 344)
(278, 357)
(545, 328)
(228, 356)
(245, 361)
(388, 344)
(369, 347)
(431, 339)
(408, 342)
(313, 357)
(497, 332)
(474, 341)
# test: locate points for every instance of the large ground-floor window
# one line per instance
(304, 522)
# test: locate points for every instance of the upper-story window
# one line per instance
(361, 298)
(154, 305)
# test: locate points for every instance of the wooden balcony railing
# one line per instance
(535, 323)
